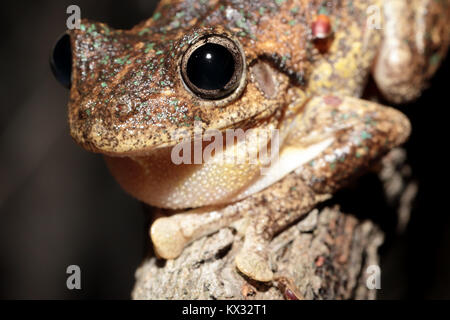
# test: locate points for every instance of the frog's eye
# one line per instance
(212, 68)
(61, 61)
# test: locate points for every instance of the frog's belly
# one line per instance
(158, 181)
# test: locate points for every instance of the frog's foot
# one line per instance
(273, 210)
(170, 235)
(253, 259)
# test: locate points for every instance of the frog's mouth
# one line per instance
(124, 141)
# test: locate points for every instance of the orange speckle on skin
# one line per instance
(321, 27)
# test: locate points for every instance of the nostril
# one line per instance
(61, 61)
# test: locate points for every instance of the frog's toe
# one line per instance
(255, 265)
(168, 238)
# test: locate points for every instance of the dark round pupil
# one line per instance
(210, 67)
(61, 61)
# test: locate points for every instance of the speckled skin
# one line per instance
(128, 98)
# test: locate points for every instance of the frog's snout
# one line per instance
(61, 61)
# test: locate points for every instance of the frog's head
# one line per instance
(131, 90)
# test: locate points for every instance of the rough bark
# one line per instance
(325, 255)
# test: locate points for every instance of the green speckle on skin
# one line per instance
(106, 30)
(365, 135)
(279, 2)
(180, 14)
(262, 10)
(105, 60)
(149, 47)
(176, 24)
(92, 28)
(82, 27)
(104, 84)
(295, 10)
(156, 16)
(88, 112)
(435, 59)
(241, 24)
(159, 52)
(121, 61)
(333, 165)
(323, 10)
(292, 22)
(197, 118)
(370, 122)
(160, 115)
(144, 31)
(350, 6)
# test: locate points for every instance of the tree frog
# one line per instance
(294, 71)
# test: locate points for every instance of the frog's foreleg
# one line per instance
(361, 131)
(278, 206)
(416, 36)
(170, 235)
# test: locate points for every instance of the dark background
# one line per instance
(59, 206)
